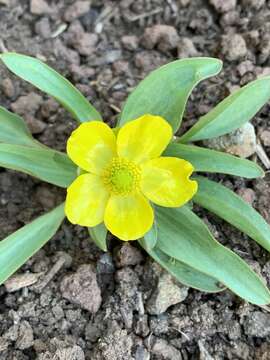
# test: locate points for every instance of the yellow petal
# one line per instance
(128, 217)
(86, 200)
(92, 146)
(165, 181)
(144, 138)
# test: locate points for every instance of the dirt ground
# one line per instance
(81, 303)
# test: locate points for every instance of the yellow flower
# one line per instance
(124, 172)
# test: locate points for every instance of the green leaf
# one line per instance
(226, 204)
(148, 242)
(214, 161)
(46, 164)
(165, 91)
(184, 236)
(232, 112)
(99, 235)
(48, 80)
(182, 272)
(18, 247)
(14, 131)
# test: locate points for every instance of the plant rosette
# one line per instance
(137, 180)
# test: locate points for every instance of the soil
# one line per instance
(72, 301)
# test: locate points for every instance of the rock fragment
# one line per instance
(223, 6)
(130, 42)
(40, 7)
(257, 324)
(25, 336)
(77, 9)
(166, 294)
(27, 104)
(17, 282)
(241, 142)
(234, 46)
(128, 255)
(81, 288)
(186, 48)
(165, 37)
(166, 351)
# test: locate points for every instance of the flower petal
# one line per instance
(165, 181)
(128, 217)
(92, 146)
(144, 138)
(86, 200)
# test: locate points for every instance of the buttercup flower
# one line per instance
(124, 174)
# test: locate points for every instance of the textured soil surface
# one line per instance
(75, 302)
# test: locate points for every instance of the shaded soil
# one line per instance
(106, 50)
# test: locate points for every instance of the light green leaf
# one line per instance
(18, 247)
(184, 236)
(232, 112)
(14, 131)
(48, 80)
(226, 204)
(48, 165)
(165, 91)
(184, 273)
(99, 235)
(149, 240)
(214, 161)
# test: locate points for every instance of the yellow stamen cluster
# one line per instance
(122, 176)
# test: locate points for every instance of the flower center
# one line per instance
(122, 176)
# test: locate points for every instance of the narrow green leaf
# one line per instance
(182, 272)
(46, 164)
(226, 204)
(99, 235)
(207, 160)
(18, 247)
(149, 240)
(165, 91)
(184, 236)
(48, 80)
(232, 112)
(14, 131)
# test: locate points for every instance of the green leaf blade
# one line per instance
(18, 247)
(184, 236)
(212, 161)
(48, 80)
(185, 274)
(43, 163)
(232, 112)
(13, 130)
(165, 91)
(99, 236)
(227, 205)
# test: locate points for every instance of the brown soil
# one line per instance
(107, 306)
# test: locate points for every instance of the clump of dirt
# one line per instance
(105, 48)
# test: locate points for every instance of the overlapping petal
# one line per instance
(86, 200)
(92, 146)
(144, 138)
(128, 217)
(165, 181)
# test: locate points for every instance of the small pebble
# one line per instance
(166, 294)
(40, 7)
(223, 6)
(241, 142)
(165, 37)
(81, 288)
(247, 195)
(77, 9)
(233, 46)
(257, 324)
